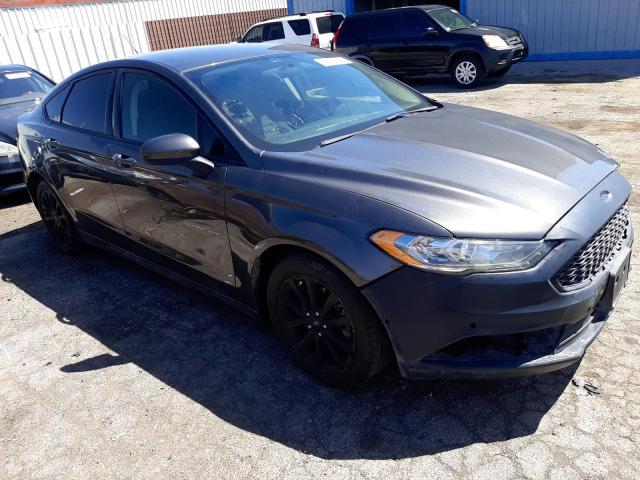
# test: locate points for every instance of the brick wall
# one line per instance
(204, 29)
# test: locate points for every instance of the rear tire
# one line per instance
(62, 232)
(325, 323)
(467, 71)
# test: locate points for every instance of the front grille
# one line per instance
(597, 253)
(515, 41)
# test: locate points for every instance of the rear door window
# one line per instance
(383, 28)
(300, 27)
(414, 24)
(329, 23)
(87, 104)
(273, 31)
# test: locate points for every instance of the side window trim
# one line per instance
(108, 113)
(63, 91)
(202, 119)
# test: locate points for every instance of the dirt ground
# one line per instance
(108, 371)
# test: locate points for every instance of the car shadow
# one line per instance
(569, 72)
(227, 363)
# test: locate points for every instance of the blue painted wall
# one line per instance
(296, 6)
(567, 29)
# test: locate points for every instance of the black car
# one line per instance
(430, 39)
(367, 222)
(20, 89)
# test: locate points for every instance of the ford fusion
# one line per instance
(370, 224)
(20, 89)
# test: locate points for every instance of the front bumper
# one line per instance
(502, 324)
(497, 60)
(11, 176)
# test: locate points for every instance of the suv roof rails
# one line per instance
(301, 14)
(314, 11)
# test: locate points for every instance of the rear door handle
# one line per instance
(123, 161)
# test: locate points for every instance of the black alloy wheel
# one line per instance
(59, 225)
(324, 322)
(318, 326)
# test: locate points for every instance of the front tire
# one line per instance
(325, 323)
(467, 71)
(62, 232)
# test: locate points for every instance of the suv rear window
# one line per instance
(300, 27)
(329, 23)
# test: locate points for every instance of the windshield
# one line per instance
(23, 86)
(451, 19)
(294, 101)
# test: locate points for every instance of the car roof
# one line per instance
(426, 8)
(14, 68)
(184, 59)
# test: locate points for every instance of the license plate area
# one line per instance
(618, 277)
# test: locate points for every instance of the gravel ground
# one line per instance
(108, 371)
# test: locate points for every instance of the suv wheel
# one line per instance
(467, 71)
(324, 322)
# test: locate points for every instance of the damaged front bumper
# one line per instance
(505, 324)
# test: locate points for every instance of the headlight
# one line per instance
(8, 150)
(461, 256)
(494, 41)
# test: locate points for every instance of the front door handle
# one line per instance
(123, 161)
(51, 143)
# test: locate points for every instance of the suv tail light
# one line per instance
(334, 42)
(315, 40)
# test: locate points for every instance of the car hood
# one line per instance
(474, 172)
(480, 30)
(9, 118)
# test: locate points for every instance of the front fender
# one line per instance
(464, 48)
(267, 210)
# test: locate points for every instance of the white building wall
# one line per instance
(60, 40)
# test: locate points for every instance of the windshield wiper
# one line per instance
(398, 115)
(329, 141)
(390, 118)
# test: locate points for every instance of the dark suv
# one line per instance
(430, 39)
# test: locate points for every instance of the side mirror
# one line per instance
(169, 149)
(430, 32)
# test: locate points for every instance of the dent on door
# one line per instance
(82, 178)
(177, 215)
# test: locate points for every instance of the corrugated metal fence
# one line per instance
(567, 29)
(59, 40)
(318, 5)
